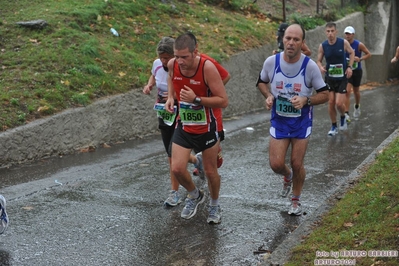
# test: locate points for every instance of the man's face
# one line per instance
(185, 58)
(331, 33)
(349, 37)
(292, 41)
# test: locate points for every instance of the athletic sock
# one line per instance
(214, 202)
(194, 194)
(296, 197)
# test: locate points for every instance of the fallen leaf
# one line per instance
(42, 108)
(360, 242)
(122, 74)
(28, 208)
(348, 224)
(84, 149)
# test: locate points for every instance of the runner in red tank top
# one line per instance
(201, 94)
(225, 76)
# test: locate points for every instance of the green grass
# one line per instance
(366, 219)
(76, 60)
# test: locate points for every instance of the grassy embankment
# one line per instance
(365, 219)
(76, 60)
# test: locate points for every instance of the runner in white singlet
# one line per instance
(287, 81)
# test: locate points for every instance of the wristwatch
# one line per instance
(309, 102)
(197, 100)
(350, 67)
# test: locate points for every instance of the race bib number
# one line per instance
(167, 117)
(192, 114)
(336, 71)
(355, 64)
(285, 108)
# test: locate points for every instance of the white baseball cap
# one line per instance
(350, 30)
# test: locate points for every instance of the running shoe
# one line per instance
(214, 215)
(191, 205)
(356, 112)
(3, 215)
(347, 118)
(295, 208)
(343, 125)
(220, 157)
(286, 187)
(219, 162)
(173, 199)
(199, 167)
(333, 131)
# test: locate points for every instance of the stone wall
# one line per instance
(131, 116)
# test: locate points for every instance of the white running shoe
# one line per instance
(191, 205)
(295, 208)
(356, 112)
(347, 118)
(173, 200)
(343, 125)
(333, 131)
(214, 215)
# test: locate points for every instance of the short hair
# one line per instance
(189, 33)
(303, 30)
(165, 46)
(186, 40)
(331, 25)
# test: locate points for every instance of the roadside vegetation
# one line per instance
(76, 59)
(365, 219)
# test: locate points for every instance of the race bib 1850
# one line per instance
(192, 114)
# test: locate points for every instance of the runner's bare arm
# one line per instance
(366, 52)
(320, 55)
(219, 98)
(169, 105)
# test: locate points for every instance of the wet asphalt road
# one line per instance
(105, 207)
